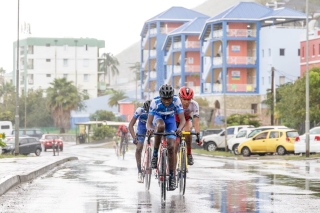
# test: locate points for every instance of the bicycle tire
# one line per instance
(148, 169)
(123, 151)
(163, 176)
(183, 172)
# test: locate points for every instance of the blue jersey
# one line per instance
(142, 115)
(157, 108)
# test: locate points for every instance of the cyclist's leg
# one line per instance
(160, 126)
(141, 131)
(188, 128)
(121, 141)
(171, 127)
(176, 149)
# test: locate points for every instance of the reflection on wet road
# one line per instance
(99, 182)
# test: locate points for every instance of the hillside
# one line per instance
(210, 8)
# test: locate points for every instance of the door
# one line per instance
(259, 142)
(272, 141)
(23, 146)
(33, 143)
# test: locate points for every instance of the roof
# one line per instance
(176, 13)
(195, 26)
(255, 11)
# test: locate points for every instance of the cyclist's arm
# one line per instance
(182, 120)
(196, 124)
(131, 129)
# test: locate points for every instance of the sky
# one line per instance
(118, 22)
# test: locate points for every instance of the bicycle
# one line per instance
(124, 144)
(146, 169)
(182, 160)
(162, 170)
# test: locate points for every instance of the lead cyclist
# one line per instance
(191, 110)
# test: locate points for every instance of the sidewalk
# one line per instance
(14, 171)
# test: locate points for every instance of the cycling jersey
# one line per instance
(191, 111)
(142, 115)
(160, 111)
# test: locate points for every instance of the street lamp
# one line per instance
(307, 82)
(75, 62)
(17, 92)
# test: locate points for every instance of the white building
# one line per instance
(44, 59)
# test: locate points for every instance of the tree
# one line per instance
(243, 119)
(6, 90)
(102, 115)
(136, 70)
(110, 64)
(116, 97)
(62, 98)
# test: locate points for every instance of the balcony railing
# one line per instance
(217, 34)
(192, 68)
(177, 45)
(153, 31)
(205, 45)
(241, 87)
(217, 61)
(30, 81)
(241, 33)
(153, 53)
(193, 44)
(241, 60)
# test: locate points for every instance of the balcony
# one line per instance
(241, 33)
(153, 53)
(153, 31)
(177, 45)
(102, 86)
(30, 81)
(30, 66)
(193, 44)
(166, 30)
(217, 61)
(241, 60)
(217, 34)
(241, 87)
(192, 68)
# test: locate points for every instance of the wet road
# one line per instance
(99, 182)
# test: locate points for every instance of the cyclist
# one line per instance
(191, 112)
(123, 133)
(161, 118)
(142, 114)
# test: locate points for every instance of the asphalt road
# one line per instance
(100, 182)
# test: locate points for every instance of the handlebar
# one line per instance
(188, 133)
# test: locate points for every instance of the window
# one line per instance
(262, 80)
(190, 60)
(85, 62)
(230, 131)
(262, 53)
(65, 76)
(30, 49)
(48, 75)
(48, 60)
(298, 52)
(85, 77)
(65, 62)
(254, 107)
(274, 134)
(302, 52)
(281, 52)
(47, 45)
(269, 52)
(5, 127)
(313, 50)
(282, 80)
(86, 47)
(261, 136)
(65, 47)
(85, 91)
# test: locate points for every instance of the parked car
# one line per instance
(246, 133)
(37, 133)
(280, 141)
(314, 138)
(48, 139)
(203, 133)
(217, 141)
(27, 145)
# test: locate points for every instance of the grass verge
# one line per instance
(11, 156)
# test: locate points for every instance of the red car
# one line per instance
(48, 139)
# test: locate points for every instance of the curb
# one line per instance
(18, 179)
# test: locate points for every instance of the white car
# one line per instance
(314, 137)
(245, 134)
(217, 141)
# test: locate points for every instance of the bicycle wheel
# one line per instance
(163, 176)
(183, 172)
(123, 150)
(148, 169)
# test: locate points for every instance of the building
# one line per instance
(182, 54)
(41, 60)
(153, 35)
(239, 48)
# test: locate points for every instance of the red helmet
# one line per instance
(186, 93)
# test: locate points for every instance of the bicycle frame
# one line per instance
(146, 163)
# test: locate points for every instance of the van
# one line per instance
(37, 133)
(6, 127)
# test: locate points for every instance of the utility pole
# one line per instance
(272, 96)
(16, 124)
(307, 83)
(75, 63)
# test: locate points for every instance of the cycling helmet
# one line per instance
(146, 105)
(186, 93)
(166, 91)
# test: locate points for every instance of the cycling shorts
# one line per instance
(170, 124)
(142, 130)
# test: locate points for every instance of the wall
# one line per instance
(127, 109)
(314, 54)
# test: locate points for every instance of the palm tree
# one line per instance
(62, 98)
(116, 97)
(110, 62)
